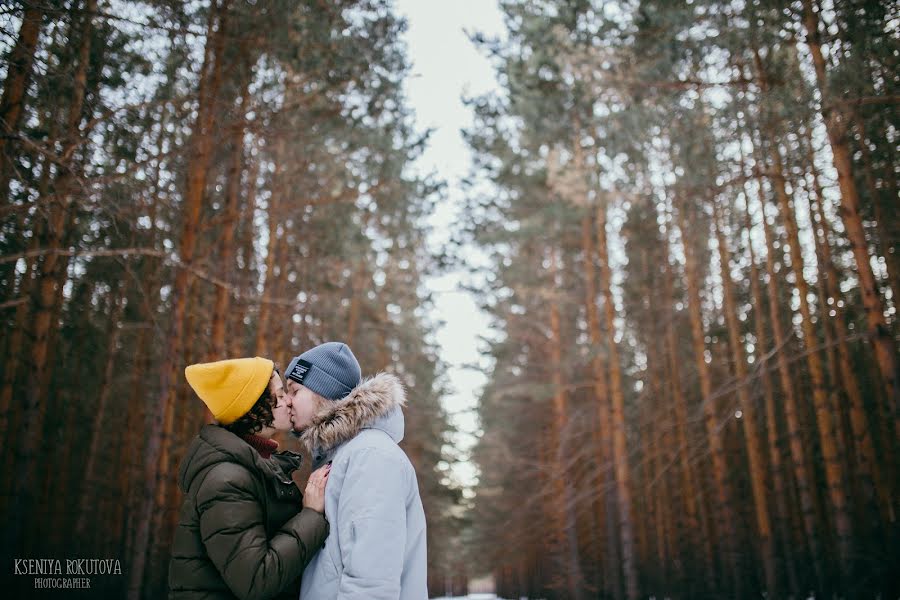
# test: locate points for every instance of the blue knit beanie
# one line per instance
(329, 369)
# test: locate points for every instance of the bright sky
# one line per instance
(446, 66)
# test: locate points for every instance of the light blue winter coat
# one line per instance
(376, 550)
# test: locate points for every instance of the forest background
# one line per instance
(685, 222)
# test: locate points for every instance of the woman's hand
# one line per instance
(314, 495)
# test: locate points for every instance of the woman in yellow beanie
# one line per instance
(245, 530)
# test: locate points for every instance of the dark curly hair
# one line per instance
(258, 417)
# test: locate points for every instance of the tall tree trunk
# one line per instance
(868, 467)
(17, 348)
(98, 432)
(44, 297)
(280, 330)
(562, 500)
(691, 490)
(830, 342)
(237, 129)
(198, 164)
(723, 511)
(827, 428)
(776, 461)
(18, 71)
(802, 472)
(885, 239)
(52, 528)
(654, 513)
(601, 418)
(664, 490)
(653, 507)
(265, 307)
(65, 192)
(121, 487)
(834, 469)
(889, 215)
(11, 370)
(19, 63)
(751, 429)
(181, 418)
(357, 297)
(620, 450)
(835, 123)
(221, 303)
(238, 345)
(131, 446)
(131, 443)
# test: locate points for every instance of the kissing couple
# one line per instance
(245, 529)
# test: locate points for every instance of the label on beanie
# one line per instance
(298, 373)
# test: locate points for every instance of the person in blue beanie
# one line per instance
(377, 549)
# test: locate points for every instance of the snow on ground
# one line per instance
(471, 597)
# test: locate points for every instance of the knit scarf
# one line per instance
(265, 446)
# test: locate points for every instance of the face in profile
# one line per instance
(281, 412)
(304, 405)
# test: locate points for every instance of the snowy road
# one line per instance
(471, 597)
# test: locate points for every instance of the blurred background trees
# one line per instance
(693, 245)
(185, 182)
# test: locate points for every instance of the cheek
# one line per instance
(308, 407)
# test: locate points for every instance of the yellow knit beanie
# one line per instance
(230, 388)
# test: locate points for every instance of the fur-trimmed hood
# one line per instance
(375, 403)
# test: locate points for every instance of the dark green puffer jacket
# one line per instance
(241, 532)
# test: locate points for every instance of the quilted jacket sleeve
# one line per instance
(253, 565)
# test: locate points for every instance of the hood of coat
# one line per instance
(375, 403)
(215, 444)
